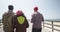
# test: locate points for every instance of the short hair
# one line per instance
(10, 7)
(35, 8)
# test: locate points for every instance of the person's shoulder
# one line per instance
(14, 17)
(5, 13)
(13, 13)
(40, 14)
(33, 15)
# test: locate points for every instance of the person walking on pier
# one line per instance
(7, 19)
(20, 22)
(37, 19)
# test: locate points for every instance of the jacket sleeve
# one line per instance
(42, 18)
(27, 24)
(13, 23)
(3, 18)
(33, 19)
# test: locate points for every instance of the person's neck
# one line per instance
(10, 11)
(35, 12)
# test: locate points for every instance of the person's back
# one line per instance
(20, 22)
(37, 19)
(7, 20)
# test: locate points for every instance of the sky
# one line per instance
(50, 9)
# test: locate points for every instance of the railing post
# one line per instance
(52, 27)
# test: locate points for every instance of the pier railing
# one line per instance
(54, 25)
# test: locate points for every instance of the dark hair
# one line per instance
(10, 7)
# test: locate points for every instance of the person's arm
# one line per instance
(3, 17)
(27, 24)
(3, 21)
(33, 19)
(43, 21)
(13, 23)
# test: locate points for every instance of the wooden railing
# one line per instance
(51, 23)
